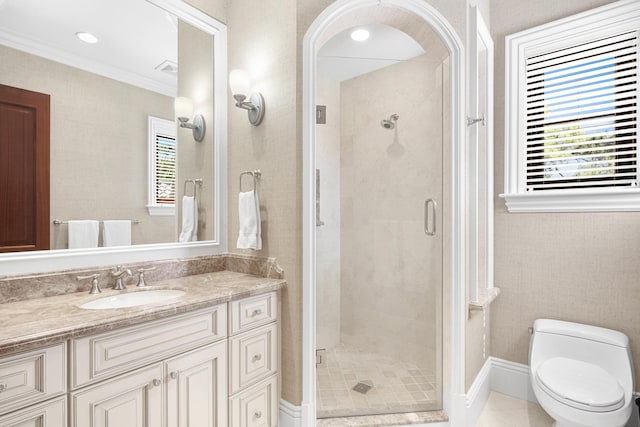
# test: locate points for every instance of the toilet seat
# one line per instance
(580, 385)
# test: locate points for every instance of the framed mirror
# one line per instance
(100, 155)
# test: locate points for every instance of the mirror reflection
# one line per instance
(111, 122)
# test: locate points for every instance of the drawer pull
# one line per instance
(173, 375)
(258, 414)
(156, 382)
(256, 312)
(257, 357)
(3, 387)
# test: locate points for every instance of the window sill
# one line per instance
(158, 210)
(485, 298)
(575, 201)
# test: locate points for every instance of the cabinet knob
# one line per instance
(156, 382)
(3, 387)
(173, 375)
(256, 312)
(257, 357)
(257, 414)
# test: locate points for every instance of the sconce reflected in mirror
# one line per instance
(184, 109)
(240, 83)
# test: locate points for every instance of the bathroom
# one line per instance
(573, 266)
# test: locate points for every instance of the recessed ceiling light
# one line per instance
(87, 37)
(360, 35)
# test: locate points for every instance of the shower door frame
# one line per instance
(454, 397)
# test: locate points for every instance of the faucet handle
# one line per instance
(95, 286)
(118, 273)
(140, 271)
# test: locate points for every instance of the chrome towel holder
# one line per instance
(256, 176)
(196, 182)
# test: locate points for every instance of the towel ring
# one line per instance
(196, 182)
(256, 176)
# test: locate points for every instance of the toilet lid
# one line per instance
(580, 384)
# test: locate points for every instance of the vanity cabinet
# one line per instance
(214, 367)
(31, 378)
(253, 362)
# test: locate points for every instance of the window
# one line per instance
(571, 113)
(162, 166)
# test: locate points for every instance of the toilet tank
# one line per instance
(606, 348)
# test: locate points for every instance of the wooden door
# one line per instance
(24, 170)
(197, 388)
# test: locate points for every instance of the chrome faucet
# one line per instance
(141, 281)
(118, 273)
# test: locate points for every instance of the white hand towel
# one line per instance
(249, 236)
(116, 233)
(83, 234)
(189, 231)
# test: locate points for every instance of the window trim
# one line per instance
(602, 22)
(156, 126)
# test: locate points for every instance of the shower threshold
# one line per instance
(385, 420)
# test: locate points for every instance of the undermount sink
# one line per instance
(134, 299)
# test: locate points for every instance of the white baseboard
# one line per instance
(512, 379)
(290, 415)
(478, 393)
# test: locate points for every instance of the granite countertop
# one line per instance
(37, 322)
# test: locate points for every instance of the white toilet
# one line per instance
(581, 375)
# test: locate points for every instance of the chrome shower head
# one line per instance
(390, 123)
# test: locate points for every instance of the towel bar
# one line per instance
(59, 222)
(196, 182)
(256, 176)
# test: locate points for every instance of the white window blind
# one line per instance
(165, 177)
(162, 166)
(581, 116)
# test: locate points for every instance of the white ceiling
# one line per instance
(342, 58)
(135, 37)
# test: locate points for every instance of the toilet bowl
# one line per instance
(581, 375)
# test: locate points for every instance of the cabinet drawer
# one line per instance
(101, 356)
(253, 356)
(50, 414)
(251, 312)
(31, 377)
(257, 406)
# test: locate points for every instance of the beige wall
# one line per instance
(391, 271)
(262, 40)
(195, 159)
(573, 266)
(98, 144)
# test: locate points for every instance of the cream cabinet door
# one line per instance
(50, 414)
(132, 400)
(197, 388)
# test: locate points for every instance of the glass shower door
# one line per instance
(380, 245)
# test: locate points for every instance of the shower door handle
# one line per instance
(430, 207)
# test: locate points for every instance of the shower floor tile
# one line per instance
(396, 386)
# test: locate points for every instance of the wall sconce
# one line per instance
(184, 109)
(240, 83)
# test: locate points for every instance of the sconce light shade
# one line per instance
(183, 108)
(240, 84)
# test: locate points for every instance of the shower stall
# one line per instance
(380, 155)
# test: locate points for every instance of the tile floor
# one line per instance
(505, 411)
(395, 386)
